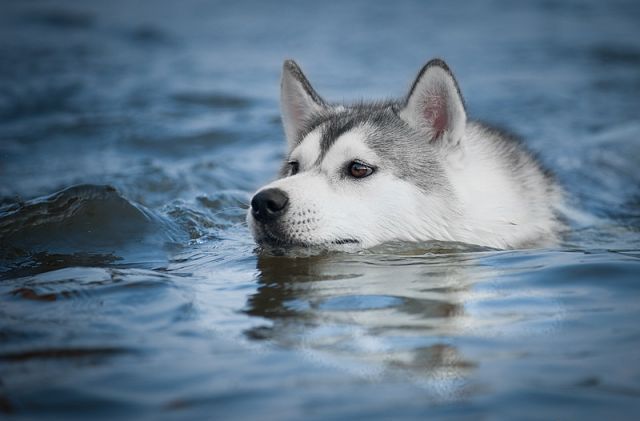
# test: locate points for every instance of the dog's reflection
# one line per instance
(378, 313)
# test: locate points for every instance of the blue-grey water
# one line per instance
(132, 135)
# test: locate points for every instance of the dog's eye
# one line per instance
(294, 167)
(359, 170)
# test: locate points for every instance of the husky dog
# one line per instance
(410, 170)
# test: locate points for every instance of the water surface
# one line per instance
(133, 134)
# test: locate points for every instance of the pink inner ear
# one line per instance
(436, 115)
(298, 110)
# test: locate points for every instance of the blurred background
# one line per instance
(142, 94)
(132, 134)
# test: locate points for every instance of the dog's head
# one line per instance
(362, 174)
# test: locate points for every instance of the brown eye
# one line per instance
(359, 170)
(294, 167)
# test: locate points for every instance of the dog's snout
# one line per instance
(268, 205)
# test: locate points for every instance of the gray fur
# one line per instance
(293, 68)
(409, 155)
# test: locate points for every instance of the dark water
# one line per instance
(133, 133)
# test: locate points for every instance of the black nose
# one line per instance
(268, 205)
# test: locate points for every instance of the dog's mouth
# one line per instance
(268, 238)
(346, 241)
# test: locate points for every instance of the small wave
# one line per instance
(209, 214)
(80, 221)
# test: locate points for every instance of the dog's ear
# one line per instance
(298, 101)
(434, 105)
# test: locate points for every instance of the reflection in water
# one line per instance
(377, 315)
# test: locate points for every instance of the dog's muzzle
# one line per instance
(268, 205)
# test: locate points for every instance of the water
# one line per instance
(133, 133)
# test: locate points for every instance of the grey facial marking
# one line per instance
(332, 130)
(402, 150)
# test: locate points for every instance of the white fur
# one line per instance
(493, 209)
(307, 152)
